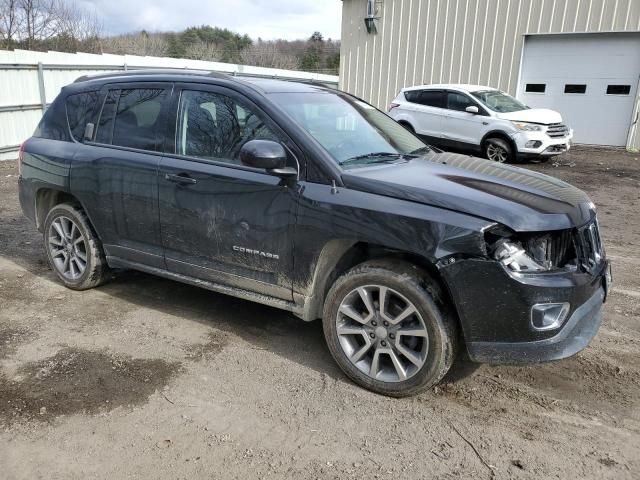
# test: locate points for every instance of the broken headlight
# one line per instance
(515, 257)
(531, 252)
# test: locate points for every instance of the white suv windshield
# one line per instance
(499, 101)
(353, 132)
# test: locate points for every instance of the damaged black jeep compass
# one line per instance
(311, 200)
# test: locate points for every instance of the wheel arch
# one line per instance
(340, 256)
(498, 134)
(407, 124)
(46, 198)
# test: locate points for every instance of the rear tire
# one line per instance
(413, 354)
(74, 251)
(498, 150)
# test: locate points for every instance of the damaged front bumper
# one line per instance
(495, 310)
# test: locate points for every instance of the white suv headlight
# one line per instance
(527, 127)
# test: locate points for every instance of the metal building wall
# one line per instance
(459, 41)
(29, 81)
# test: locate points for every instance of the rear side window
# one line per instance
(429, 98)
(137, 122)
(53, 125)
(80, 108)
(105, 124)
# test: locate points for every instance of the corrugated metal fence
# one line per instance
(29, 81)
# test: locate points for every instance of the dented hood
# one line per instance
(515, 197)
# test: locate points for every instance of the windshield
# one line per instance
(353, 132)
(499, 101)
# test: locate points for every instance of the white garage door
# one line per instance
(591, 79)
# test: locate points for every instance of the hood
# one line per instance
(515, 197)
(533, 115)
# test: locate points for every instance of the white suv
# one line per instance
(483, 120)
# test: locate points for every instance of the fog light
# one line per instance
(533, 144)
(548, 316)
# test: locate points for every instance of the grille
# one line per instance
(553, 249)
(557, 130)
(560, 249)
(589, 246)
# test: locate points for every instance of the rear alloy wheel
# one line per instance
(386, 331)
(498, 150)
(74, 251)
(68, 248)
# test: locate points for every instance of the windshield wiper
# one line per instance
(382, 156)
(421, 150)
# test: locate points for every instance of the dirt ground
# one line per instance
(148, 378)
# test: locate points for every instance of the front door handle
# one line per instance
(181, 178)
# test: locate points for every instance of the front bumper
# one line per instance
(577, 333)
(546, 145)
(494, 307)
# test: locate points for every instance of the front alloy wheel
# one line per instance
(498, 150)
(382, 333)
(388, 328)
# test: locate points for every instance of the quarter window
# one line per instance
(215, 127)
(618, 89)
(53, 124)
(535, 87)
(412, 96)
(575, 88)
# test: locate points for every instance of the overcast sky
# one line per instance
(268, 19)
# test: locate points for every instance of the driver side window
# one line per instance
(215, 127)
(459, 102)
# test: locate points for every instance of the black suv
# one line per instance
(310, 200)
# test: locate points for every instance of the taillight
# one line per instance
(20, 155)
(393, 105)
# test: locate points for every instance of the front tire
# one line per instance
(386, 327)
(498, 150)
(74, 251)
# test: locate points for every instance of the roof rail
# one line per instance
(150, 71)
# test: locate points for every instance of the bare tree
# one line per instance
(39, 19)
(76, 27)
(142, 43)
(200, 50)
(9, 21)
(267, 54)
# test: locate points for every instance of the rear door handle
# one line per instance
(181, 178)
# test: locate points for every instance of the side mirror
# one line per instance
(88, 132)
(268, 155)
(472, 109)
